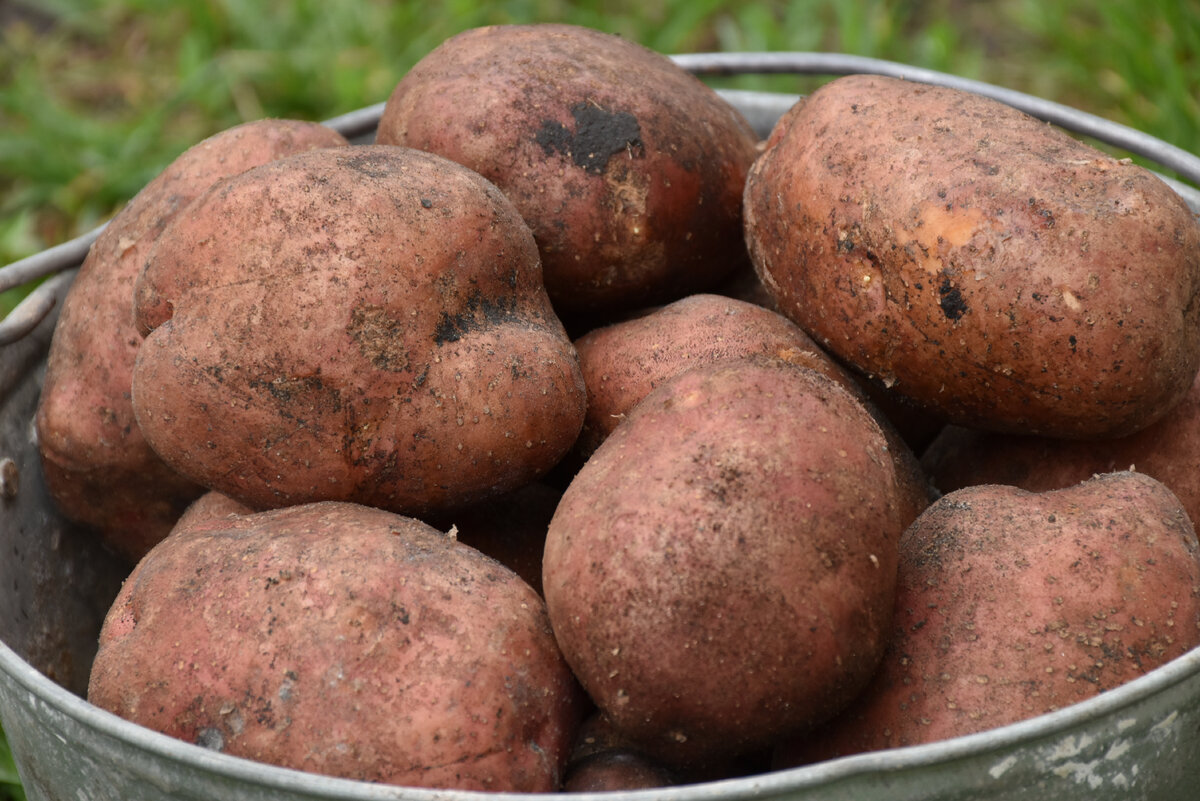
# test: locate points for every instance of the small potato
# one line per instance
(609, 771)
(978, 261)
(342, 640)
(365, 324)
(628, 169)
(721, 570)
(98, 467)
(1010, 604)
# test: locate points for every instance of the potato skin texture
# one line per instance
(98, 467)
(364, 324)
(625, 361)
(628, 169)
(1011, 604)
(1167, 450)
(745, 587)
(977, 260)
(342, 640)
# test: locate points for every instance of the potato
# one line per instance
(625, 361)
(1011, 604)
(365, 324)
(342, 640)
(977, 260)
(721, 570)
(98, 467)
(601, 760)
(1167, 450)
(611, 771)
(628, 169)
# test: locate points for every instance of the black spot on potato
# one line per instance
(599, 135)
(952, 303)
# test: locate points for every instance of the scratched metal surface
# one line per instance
(1139, 741)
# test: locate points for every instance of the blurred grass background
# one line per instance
(97, 97)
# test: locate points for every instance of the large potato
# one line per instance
(98, 467)
(628, 169)
(721, 571)
(1010, 604)
(364, 324)
(977, 260)
(343, 640)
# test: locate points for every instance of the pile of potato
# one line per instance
(678, 384)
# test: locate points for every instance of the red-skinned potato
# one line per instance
(603, 761)
(364, 324)
(342, 640)
(738, 530)
(98, 467)
(1167, 450)
(628, 169)
(1010, 604)
(978, 261)
(623, 362)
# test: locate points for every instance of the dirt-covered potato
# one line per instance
(342, 640)
(625, 361)
(628, 169)
(364, 324)
(721, 570)
(98, 466)
(977, 260)
(1167, 450)
(1010, 604)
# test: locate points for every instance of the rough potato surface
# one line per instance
(721, 570)
(628, 169)
(978, 261)
(625, 361)
(98, 465)
(342, 640)
(1011, 604)
(364, 324)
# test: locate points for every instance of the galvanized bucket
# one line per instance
(1141, 740)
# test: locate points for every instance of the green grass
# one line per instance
(10, 783)
(97, 97)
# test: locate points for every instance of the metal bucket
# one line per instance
(1140, 740)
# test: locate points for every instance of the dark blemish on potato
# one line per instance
(952, 303)
(1072, 342)
(599, 135)
(480, 313)
(380, 338)
(288, 389)
(370, 164)
(986, 168)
